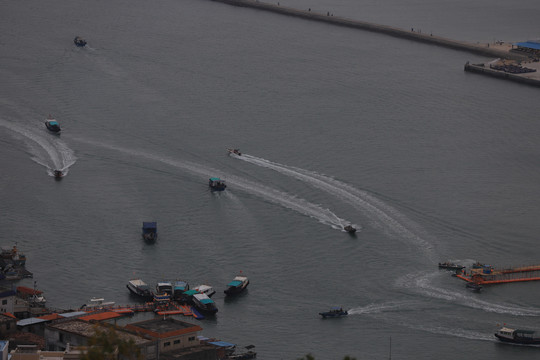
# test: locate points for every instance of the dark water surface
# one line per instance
(337, 126)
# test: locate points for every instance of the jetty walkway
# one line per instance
(497, 50)
(490, 275)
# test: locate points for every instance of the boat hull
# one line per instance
(234, 290)
(522, 341)
(143, 294)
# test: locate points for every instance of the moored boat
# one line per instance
(206, 289)
(516, 336)
(217, 184)
(450, 266)
(179, 288)
(98, 303)
(18, 258)
(149, 231)
(204, 304)
(334, 312)
(140, 288)
(52, 125)
(237, 285)
(79, 41)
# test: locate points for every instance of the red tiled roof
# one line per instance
(28, 291)
(10, 315)
(101, 316)
(50, 317)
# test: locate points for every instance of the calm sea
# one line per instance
(337, 126)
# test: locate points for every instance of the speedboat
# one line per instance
(527, 337)
(58, 174)
(234, 151)
(79, 41)
(350, 229)
(450, 266)
(52, 125)
(237, 285)
(206, 289)
(140, 288)
(217, 184)
(334, 312)
(149, 231)
(203, 303)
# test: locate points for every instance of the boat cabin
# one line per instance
(216, 183)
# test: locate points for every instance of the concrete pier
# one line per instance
(532, 79)
(489, 50)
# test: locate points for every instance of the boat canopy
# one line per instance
(53, 122)
(215, 179)
(150, 225)
(207, 301)
(191, 292)
(235, 283)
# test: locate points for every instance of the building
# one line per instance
(8, 325)
(7, 300)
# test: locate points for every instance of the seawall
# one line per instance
(482, 69)
(483, 49)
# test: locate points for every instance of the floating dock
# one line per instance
(489, 275)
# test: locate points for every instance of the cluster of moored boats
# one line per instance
(180, 291)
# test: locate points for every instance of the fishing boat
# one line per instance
(450, 266)
(140, 288)
(334, 312)
(204, 304)
(206, 289)
(234, 151)
(237, 285)
(12, 253)
(179, 288)
(149, 231)
(217, 184)
(516, 336)
(350, 229)
(58, 174)
(79, 41)
(52, 125)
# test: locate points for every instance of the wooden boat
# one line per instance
(334, 312)
(516, 336)
(204, 304)
(217, 184)
(350, 229)
(474, 286)
(79, 41)
(206, 289)
(52, 125)
(234, 151)
(149, 231)
(450, 266)
(237, 285)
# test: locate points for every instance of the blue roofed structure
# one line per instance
(529, 44)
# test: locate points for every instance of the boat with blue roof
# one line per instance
(334, 312)
(179, 288)
(52, 125)
(237, 285)
(204, 304)
(217, 184)
(149, 231)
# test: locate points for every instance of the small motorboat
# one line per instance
(149, 231)
(237, 285)
(217, 184)
(79, 41)
(516, 336)
(350, 229)
(474, 286)
(58, 174)
(52, 125)
(234, 151)
(450, 266)
(334, 312)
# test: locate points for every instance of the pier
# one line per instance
(497, 50)
(488, 275)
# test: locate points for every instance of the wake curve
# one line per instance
(288, 201)
(384, 215)
(45, 149)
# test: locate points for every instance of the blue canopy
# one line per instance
(222, 343)
(52, 122)
(207, 301)
(149, 225)
(215, 179)
(235, 283)
(530, 44)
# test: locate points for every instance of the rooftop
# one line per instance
(163, 328)
(86, 329)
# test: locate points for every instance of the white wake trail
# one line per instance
(45, 149)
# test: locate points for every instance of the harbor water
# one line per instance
(336, 126)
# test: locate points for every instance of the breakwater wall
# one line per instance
(483, 49)
(482, 69)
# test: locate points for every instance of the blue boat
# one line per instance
(334, 312)
(217, 184)
(52, 125)
(149, 231)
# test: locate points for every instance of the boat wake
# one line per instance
(422, 283)
(384, 216)
(45, 149)
(383, 307)
(304, 207)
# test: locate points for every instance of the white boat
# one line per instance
(237, 285)
(140, 288)
(204, 304)
(206, 289)
(98, 303)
